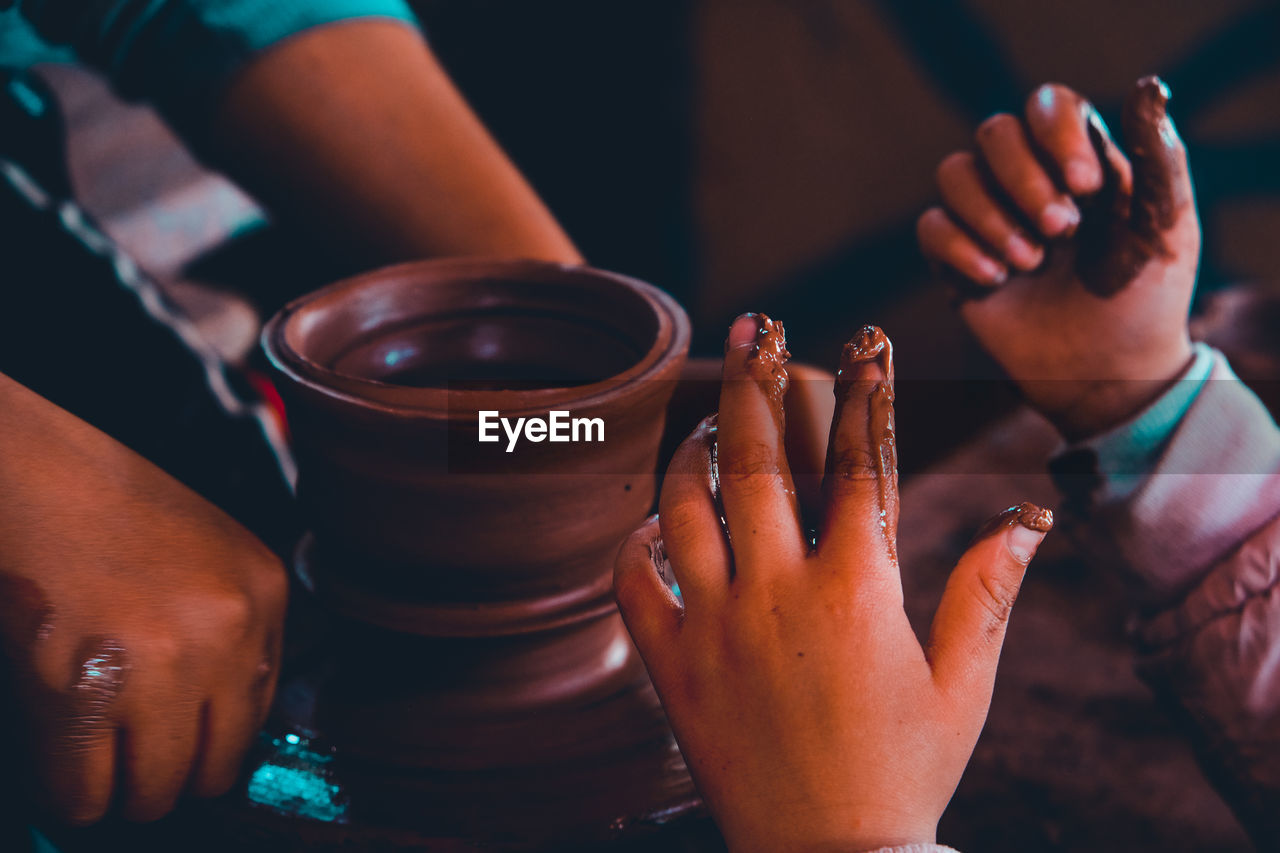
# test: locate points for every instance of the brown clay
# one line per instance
(768, 359)
(482, 685)
(870, 346)
(1027, 514)
(1143, 213)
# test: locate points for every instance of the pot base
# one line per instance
(622, 777)
(386, 740)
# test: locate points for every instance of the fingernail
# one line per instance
(743, 331)
(1023, 542)
(1059, 216)
(991, 271)
(1027, 531)
(1022, 253)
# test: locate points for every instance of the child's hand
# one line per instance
(806, 708)
(142, 625)
(1084, 261)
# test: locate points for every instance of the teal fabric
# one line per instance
(174, 53)
(1129, 452)
(20, 47)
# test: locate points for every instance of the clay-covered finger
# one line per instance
(1008, 156)
(756, 490)
(1058, 119)
(969, 201)
(692, 520)
(861, 481)
(969, 628)
(1161, 179)
(944, 242)
(650, 609)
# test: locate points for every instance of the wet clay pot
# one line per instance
(478, 684)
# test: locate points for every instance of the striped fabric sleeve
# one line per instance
(177, 54)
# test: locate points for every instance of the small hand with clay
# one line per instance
(810, 715)
(141, 626)
(1080, 262)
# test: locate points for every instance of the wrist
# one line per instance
(852, 836)
(1099, 405)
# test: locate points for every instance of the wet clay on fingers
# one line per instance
(767, 361)
(1026, 514)
(870, 346)
(1141, 213)
(766, 365)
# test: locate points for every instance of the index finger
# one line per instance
(1058, 119)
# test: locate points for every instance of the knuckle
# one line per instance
(751, 464)
(997, 592)
(853, 465)
(682, 518)
(273, 585)
(233, 611)
(161, 648)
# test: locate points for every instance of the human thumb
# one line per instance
(1161, 179)
(968, 629)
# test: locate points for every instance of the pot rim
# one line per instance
(670, 345)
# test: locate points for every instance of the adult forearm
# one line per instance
(355, 130)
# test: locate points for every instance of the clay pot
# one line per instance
(383, 377)
(480, 664)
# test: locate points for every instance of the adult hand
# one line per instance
(142, 625)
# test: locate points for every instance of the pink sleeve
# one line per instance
(1217, 482)
(1215, 660)
(1199, 542)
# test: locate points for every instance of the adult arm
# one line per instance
(335, 114)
